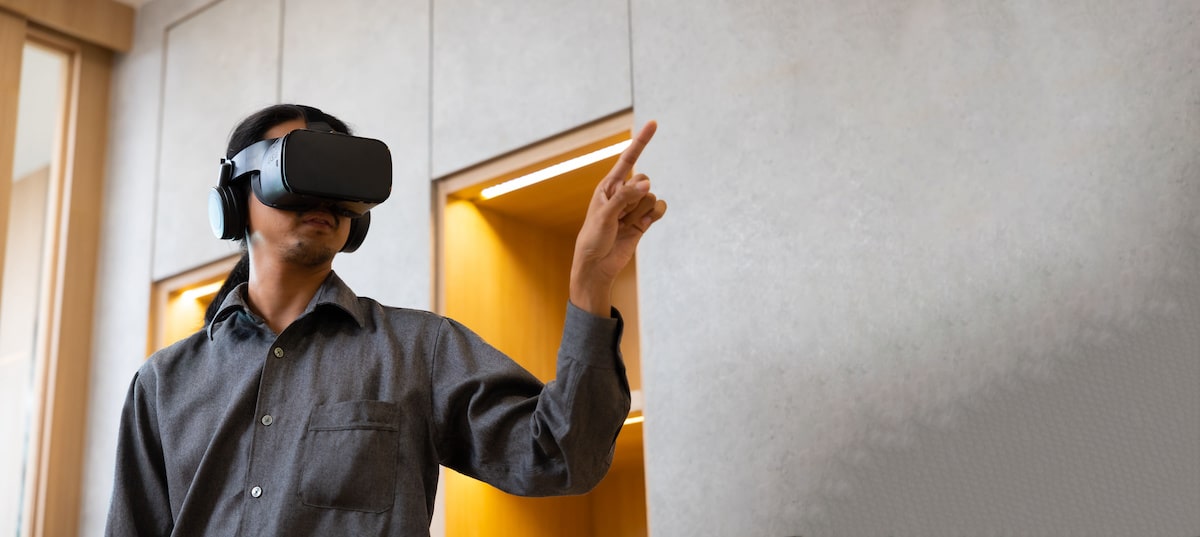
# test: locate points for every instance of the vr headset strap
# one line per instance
(247, 161)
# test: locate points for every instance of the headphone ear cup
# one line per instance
(358, 232)
(226, 213)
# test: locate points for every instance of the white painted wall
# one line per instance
(930, 267)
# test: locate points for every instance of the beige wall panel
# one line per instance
(70, 338)
(930, 268)
(221, 65)
(370, 68)
(509, 73)
(12, 39)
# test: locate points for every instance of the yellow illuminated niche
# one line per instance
(503, 267)
(555, 170)
(178, 303)
(185, 311)
(203, 292)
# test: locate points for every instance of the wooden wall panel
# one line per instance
(475, 509)
(102, 22)
(624, 298)
(172, 318)
(505, 270)
(508, 282)
(64, 424)
(618, 503)
(12, 42)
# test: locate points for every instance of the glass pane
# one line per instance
(41, 99)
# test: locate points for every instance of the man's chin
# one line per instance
(309, 255)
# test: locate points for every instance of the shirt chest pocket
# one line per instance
(350, 456)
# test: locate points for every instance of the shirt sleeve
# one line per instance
(496, 422)
(140, 502)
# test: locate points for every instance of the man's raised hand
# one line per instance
(620, 212)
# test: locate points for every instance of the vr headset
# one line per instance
(303, 170)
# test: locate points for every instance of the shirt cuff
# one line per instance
(593, 340)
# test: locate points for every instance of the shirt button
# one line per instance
(256, 492)
(279, 352)
(267, 420)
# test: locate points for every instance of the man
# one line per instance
(302, 408)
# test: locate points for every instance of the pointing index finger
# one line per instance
(629, 157)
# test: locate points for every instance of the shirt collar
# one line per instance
(333, 294)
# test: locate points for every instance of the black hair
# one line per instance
(252, 129)
(247, 133)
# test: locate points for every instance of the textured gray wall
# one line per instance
(930, 267)
(367, 62)
(220, 63)
(509, 73)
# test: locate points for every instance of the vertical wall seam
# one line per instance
(156, 176)
(279, 54)
(434, 243)
(629, 15)
(429, 80)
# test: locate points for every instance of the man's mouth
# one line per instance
(319, 218)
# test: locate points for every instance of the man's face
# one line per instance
(306, 238)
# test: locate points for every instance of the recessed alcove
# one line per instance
(503, 268)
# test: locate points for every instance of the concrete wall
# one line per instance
(930, 268)
(510, 73)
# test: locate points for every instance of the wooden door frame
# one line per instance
(59, 423)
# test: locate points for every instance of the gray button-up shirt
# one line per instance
(337, 425)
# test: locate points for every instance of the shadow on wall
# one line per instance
(1097, 426)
